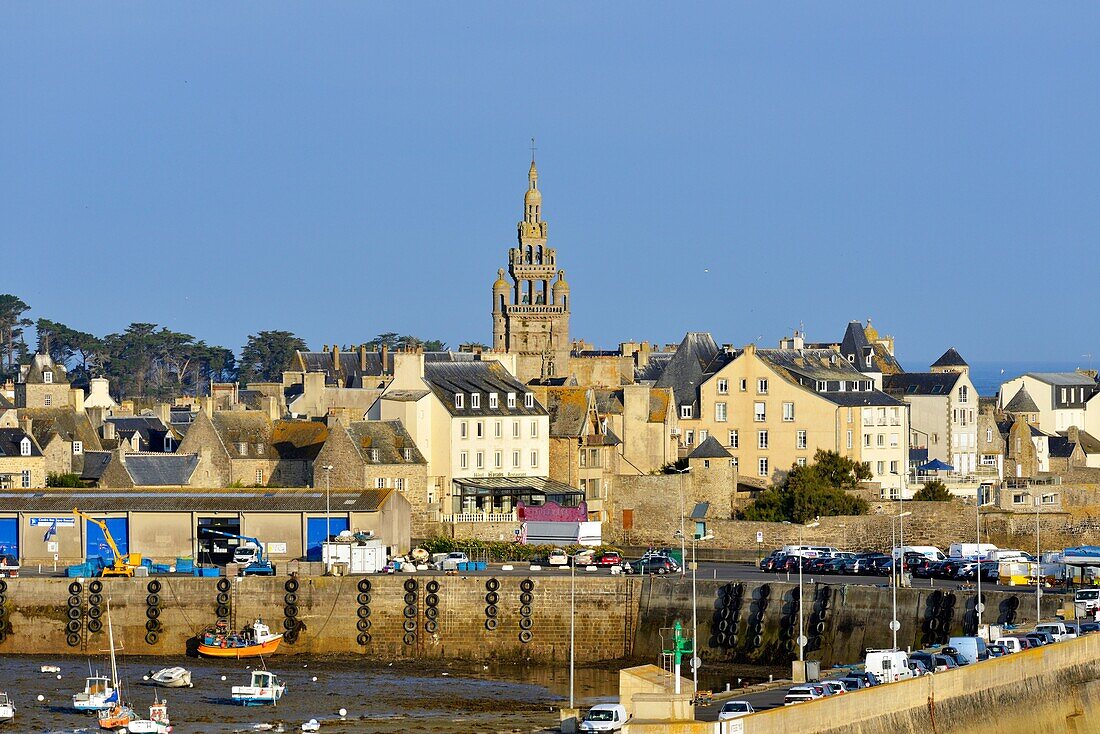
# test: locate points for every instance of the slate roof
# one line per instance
(347, 368)
(291, 440)
(1022, 402)
(64, 422)
(814, 364)
(10, 440)
(864, 398)
(568, 409)
(950, 358)
(920, 383)
(32, 373)
(151, 428)
(218, 500)
(95, 463)
(389, 438)
(686, 370)
(1089, 443)
(406, 396)
(710, 449)
(654, 367)
(5, 404)
(446, 379)
(160, 469)
(1063, 379)
(1060, 447)
(298, 440)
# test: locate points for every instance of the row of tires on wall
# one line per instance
(292, 626)
(363, 612)
(939, 614)
(80, 617)
(727, 615)
(5, 622)
(815, 623)
(526, 600)
(153, 601)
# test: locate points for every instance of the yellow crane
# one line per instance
(120, 565)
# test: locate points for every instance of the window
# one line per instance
(801, 461)
(762, 467)
(685, 411)
(494, 403)
(594, 488)
(880, 440)
(25, 446)
(511, 400)
(893, 440)
(689, 437)
(407, 454)
(515, 459)
(380, 483)
(479, 459)
(534, 429)
(47, 377)
(1063, 391)
(706, 463)
(703, 435)
(733, 439)
(584, 458)
(744, 385)
(788, 412)
(881, 468)
(720, 412)
(1019, 498)
(534, 459)
(399, 484)
(515, 429)
(762, 386)
(463, 429)
(723, 387)
(169, 444)
(464, 460)
(529, 400)
(733, 462)
(475, 400)
(47, 400)
(759, 412)
(762, 439)
(964, 394)
(595, 459)
(867, 440)
(849, 439)
(26, 478)
(498, 429)
(893, 467)
(259, 476)
(800, 440)
(78, 448)
(458, 401)
(480, 426)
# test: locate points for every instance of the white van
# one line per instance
(604, 717)
(888, 665)
(1057, 630)
(970, 649)
(930, 552)
(1002, 554)
(1087, 602)
(1012, 644)
(970, 550)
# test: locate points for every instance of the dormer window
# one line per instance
(168, 444)
(78, 448)
(374, 455)
(494, 402)
(458, 401)
(475, 400)
(529, 400)
(25, 446)
(408, 454)
(47, 377)
(511, 400)
(685, 411)
(242, 449)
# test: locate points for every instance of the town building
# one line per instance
(64, 435)
(1060, 397)
(22, 464)
(43, 384)
(644, 418)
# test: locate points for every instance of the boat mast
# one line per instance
(111, 640)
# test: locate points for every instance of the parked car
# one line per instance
(557, 557)
(653, 564)
(835, 565)
(450, 561)
(995, 650)
(1009, 644)
(607, 559)
(918, 668)
(735, 710)
(604, 717)
(867, 677)
(799, 694)
(947, 662)
(1087, 628)
(863, 563)
(833, 687)
(951, 652)
(927, 571)
(1041, 638)
(586, 557)
(881, 566)
(853, 683)
(1058, 630)
(969, 649)
(928, 660)
(767, 563)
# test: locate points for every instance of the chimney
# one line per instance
(164, 412)
(362, 357)
(108, 431)
(408, 369)
(1073, 433)
(26, 423)
(76, 399)
(336, 356)
(385, 360)
(325, 349)
(271, 406)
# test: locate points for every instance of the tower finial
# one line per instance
(533, 149)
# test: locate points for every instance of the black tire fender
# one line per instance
(526, 598)
(363, 598)
(95, 586)
(409, 625)
(94, 612)
(492, 598)
(153, 600)
(525, 623)
(150, 612)
(432, 587)
(290, 598)
(363, 612)
(492, 585)
(363, 639)
(362, 625)
(491, 624)
(95, 625)
(410, 585)
(526, 585)
(72, 639)
(74, 612)
(223, 584)
(525, 636)
(222, 598)
(431, 626)
(75, 588)
(292, 584)
(363, 585)
(151, 638)
(409, 612)
(290, 610)
(409, 638)
(221, 611)
(491, 611)
(153, 587)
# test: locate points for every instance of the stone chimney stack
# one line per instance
(363, 357)
(1073, 433)
(26, 423)
(108, 431)
(164, 412)
(385, 359)
(76, 399)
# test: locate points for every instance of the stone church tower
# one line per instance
(531, 317)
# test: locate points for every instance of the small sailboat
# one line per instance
(251, 642)
(119, 714)
(175, 677)
(7, 708)
(157, 723)
(265, 687)
(98, 694)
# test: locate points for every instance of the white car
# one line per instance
(799, 694)
(557, 557)
(451, 561)
(735, 710)
(833, 687)
(604, 717)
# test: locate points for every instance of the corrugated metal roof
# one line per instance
(341, 500)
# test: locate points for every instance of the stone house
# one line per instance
(644, 418)
(22, 464)
(247, 448)
(991, 445)
(584, 451)
(376, 455)
(64, 435)
(140, 433)
(43, 384)
(1060, 398)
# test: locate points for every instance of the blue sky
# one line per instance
(340, 170)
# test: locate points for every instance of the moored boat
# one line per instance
(98, 694)
(174, 677)
(251, 642)
(7, 708)
(265, 687)
(157, 723)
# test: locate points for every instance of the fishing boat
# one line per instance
(175, 677)
(118, 715)
(265, 687)
(7, 708)
(157, 723)
(251, 642)
(98, 694)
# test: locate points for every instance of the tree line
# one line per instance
(150, 361)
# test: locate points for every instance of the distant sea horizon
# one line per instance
(988, 376)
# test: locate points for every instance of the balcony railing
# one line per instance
(481, 517)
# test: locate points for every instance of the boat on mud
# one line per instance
(265, 687)
(118, 714)
(98, 694)
(174, 677)
(251, 642)
(7, 708)
(157, 723)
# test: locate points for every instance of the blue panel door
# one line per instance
(97, 545)
(315, 534)
(9, 536)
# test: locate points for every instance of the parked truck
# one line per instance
(249, 554)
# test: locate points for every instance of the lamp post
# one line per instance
(895, 625)
(683, 536)
(801, 631)
(1038, 567)
(328, 521)
(901, 514)
(572, 628)
(695, 614)
(979, 607)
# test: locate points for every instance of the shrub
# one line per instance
(933, 491)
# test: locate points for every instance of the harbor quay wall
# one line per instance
(329, 611)
(1049, 690)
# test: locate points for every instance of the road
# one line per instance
(762, 701)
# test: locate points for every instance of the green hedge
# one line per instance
(498, 550)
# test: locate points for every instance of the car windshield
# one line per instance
(603, 715)
(1089, 595)
(736, 707)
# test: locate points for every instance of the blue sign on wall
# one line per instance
(97, 544)
(9, 536)
(315, 534)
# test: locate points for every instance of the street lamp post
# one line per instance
(572, 627)
(328, 516)
(979, 607)
(683, 536)
(895, 625)
(1038, 566)
(695, 614)
(801, 631)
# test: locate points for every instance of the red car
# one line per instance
(607, 559)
